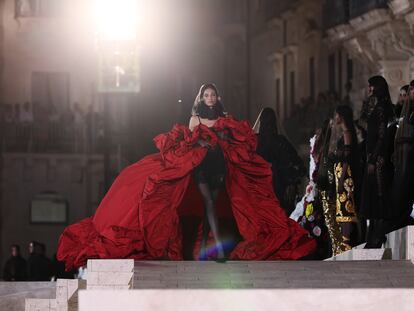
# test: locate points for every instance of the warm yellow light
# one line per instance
(116, 19)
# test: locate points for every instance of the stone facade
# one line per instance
(380, 40)
(50, 55)
(77, 179)
(290, 55)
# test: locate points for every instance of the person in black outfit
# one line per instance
(278, 151)
(346, 172)
(404, 165)
(39, 266)
(209, 175)
(402, 98)
(15, 268)
(375, 203)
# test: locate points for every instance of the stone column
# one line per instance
(276, 60)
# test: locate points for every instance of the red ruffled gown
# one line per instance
(138, 218)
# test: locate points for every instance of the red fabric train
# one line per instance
(138, 218)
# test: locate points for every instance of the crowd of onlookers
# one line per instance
(361, 173)
(36, 127)
(37, 267)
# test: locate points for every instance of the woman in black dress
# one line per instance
(375, 205)
(346, 172)
(287, 166)
(209, 175)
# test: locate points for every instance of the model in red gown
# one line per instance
(138, 217)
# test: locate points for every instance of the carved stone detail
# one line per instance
(400, 7)
(370, 20)
(276, 59)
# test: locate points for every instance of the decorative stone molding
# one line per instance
(400, 7)
(396, 73)
(360, 48)
(110, 274)
(340, 33)
(392, 41)
(292, 51)
(276, 59)
(370, 20)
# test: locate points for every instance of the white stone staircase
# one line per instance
(66, 297)
(371, 279)
(101, 275)
(399, 246)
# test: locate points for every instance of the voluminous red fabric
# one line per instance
(138, 217)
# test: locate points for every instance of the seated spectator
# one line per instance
(39, 266)
(15, 268)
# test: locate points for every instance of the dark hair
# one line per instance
(268, 123)
(381, 90)
(202, 110)
(267, 131)
(405, 87)
(16, 246)
(412, 83)
(346, 113)
(320, 140)
(382, 93)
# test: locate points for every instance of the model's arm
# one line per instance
(194, 121)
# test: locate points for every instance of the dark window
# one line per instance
(331, 72)
(48, 208)
(292, 88)
(349, 69)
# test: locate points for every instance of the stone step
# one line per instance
(274, 274)
(14, 294)
(66, 297)
(286, 299)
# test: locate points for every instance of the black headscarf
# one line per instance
(382, 93)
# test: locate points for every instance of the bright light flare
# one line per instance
(116, 20)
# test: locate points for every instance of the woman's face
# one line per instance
(337, 119)
(370, 90)
(403, 95)
(210, 97)
(411, 92)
